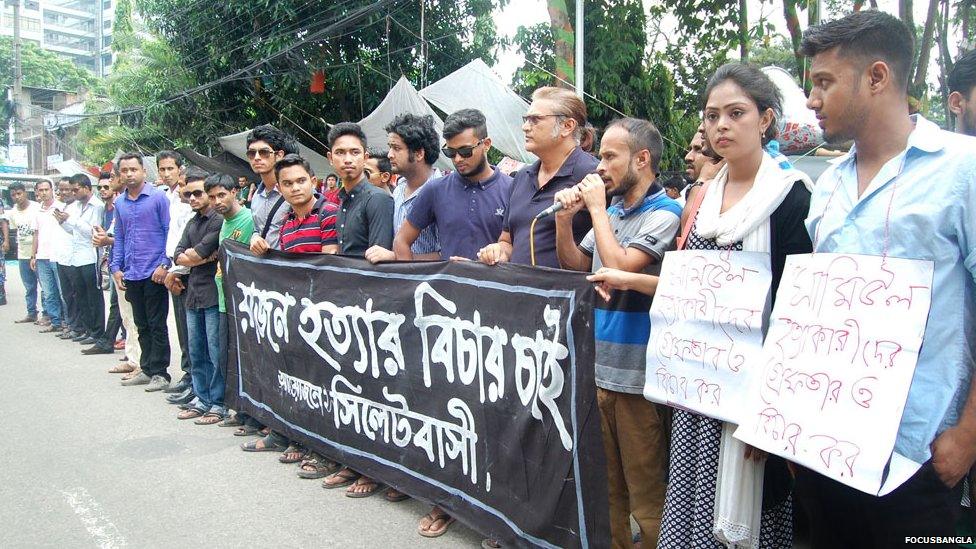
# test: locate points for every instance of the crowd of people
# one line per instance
(906, 188)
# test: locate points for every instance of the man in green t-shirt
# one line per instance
(238, 225)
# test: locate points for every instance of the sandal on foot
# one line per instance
(342, 478)
(232, 421)
(209, 419)
(393, 495)
(191, 413)
(317, 467)
(261, 445)
(293, 454)
(370, 484)
(246, 431)
(432, 519)
(123, 368)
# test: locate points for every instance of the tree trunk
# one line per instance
(564, 48)
(945, 62)
(906, 13)
(793, 25)
(965, 14)
(743, 30)
(925, 48)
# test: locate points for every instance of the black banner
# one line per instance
(463, 385)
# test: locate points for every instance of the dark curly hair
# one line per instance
(418, 133)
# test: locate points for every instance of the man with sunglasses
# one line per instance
(378, 171)
(467, 205)
(103, 240)
(553, 128)
(266, 145)
(413, 146)
(197, 253)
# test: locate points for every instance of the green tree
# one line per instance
(42, 69)
(620, 76)
(214, 40)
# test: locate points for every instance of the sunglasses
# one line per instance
(263, 153)
(103, 187)
(465, 152)
(533, 119)
(193, 194)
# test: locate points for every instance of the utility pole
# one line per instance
(18, 73)
(579, 49)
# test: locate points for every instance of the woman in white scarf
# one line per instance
(720, 492)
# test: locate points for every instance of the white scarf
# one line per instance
(739, 484)
(748, 220)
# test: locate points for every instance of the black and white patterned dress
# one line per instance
(689, 505)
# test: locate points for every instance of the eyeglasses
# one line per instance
(193, 194)
(465, 152)
(263, 153)
(533, 119)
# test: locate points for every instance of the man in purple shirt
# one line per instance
(468, 206)
(139, 266)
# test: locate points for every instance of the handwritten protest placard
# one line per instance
(706, 330)
(838, 361)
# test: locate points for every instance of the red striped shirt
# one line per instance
(308, 234)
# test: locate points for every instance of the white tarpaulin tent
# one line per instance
(236, 144)
(476, 86)
(401, 99)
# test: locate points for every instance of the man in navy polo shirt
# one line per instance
(468, 206)
(553, 126)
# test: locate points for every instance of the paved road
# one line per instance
(85, 462)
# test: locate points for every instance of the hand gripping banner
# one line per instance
(460, 384)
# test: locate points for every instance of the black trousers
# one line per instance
(114, 323)
(150, 307)
(842, 517)
(91, 302)
(179, 312)
(69, 301)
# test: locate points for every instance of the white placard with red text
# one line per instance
(706, 330)
(839, 358)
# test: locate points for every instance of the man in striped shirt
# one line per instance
(310, 226)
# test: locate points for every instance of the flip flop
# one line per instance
(246, 431)
(393, 495)
(347, 475)
(209, 419)
(123, 368)
(447, 521)
(317, 467)
(192, 413)
(361, 482)
(294, 453)
(252, 446)
(232, 421)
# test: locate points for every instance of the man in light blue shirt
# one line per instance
(907, 189)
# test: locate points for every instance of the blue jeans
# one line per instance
(203, 331)
(29, 278)
(47, 273)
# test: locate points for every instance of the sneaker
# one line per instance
(90, 341)
(180, 386)
(157, 383)
(138, 379)
(81, 337)
(181, 398)
(26, 319)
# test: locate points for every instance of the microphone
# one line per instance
(550, 210)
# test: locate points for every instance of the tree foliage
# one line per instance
(361, 62)
(621, 78)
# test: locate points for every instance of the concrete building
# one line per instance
(79, 30)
